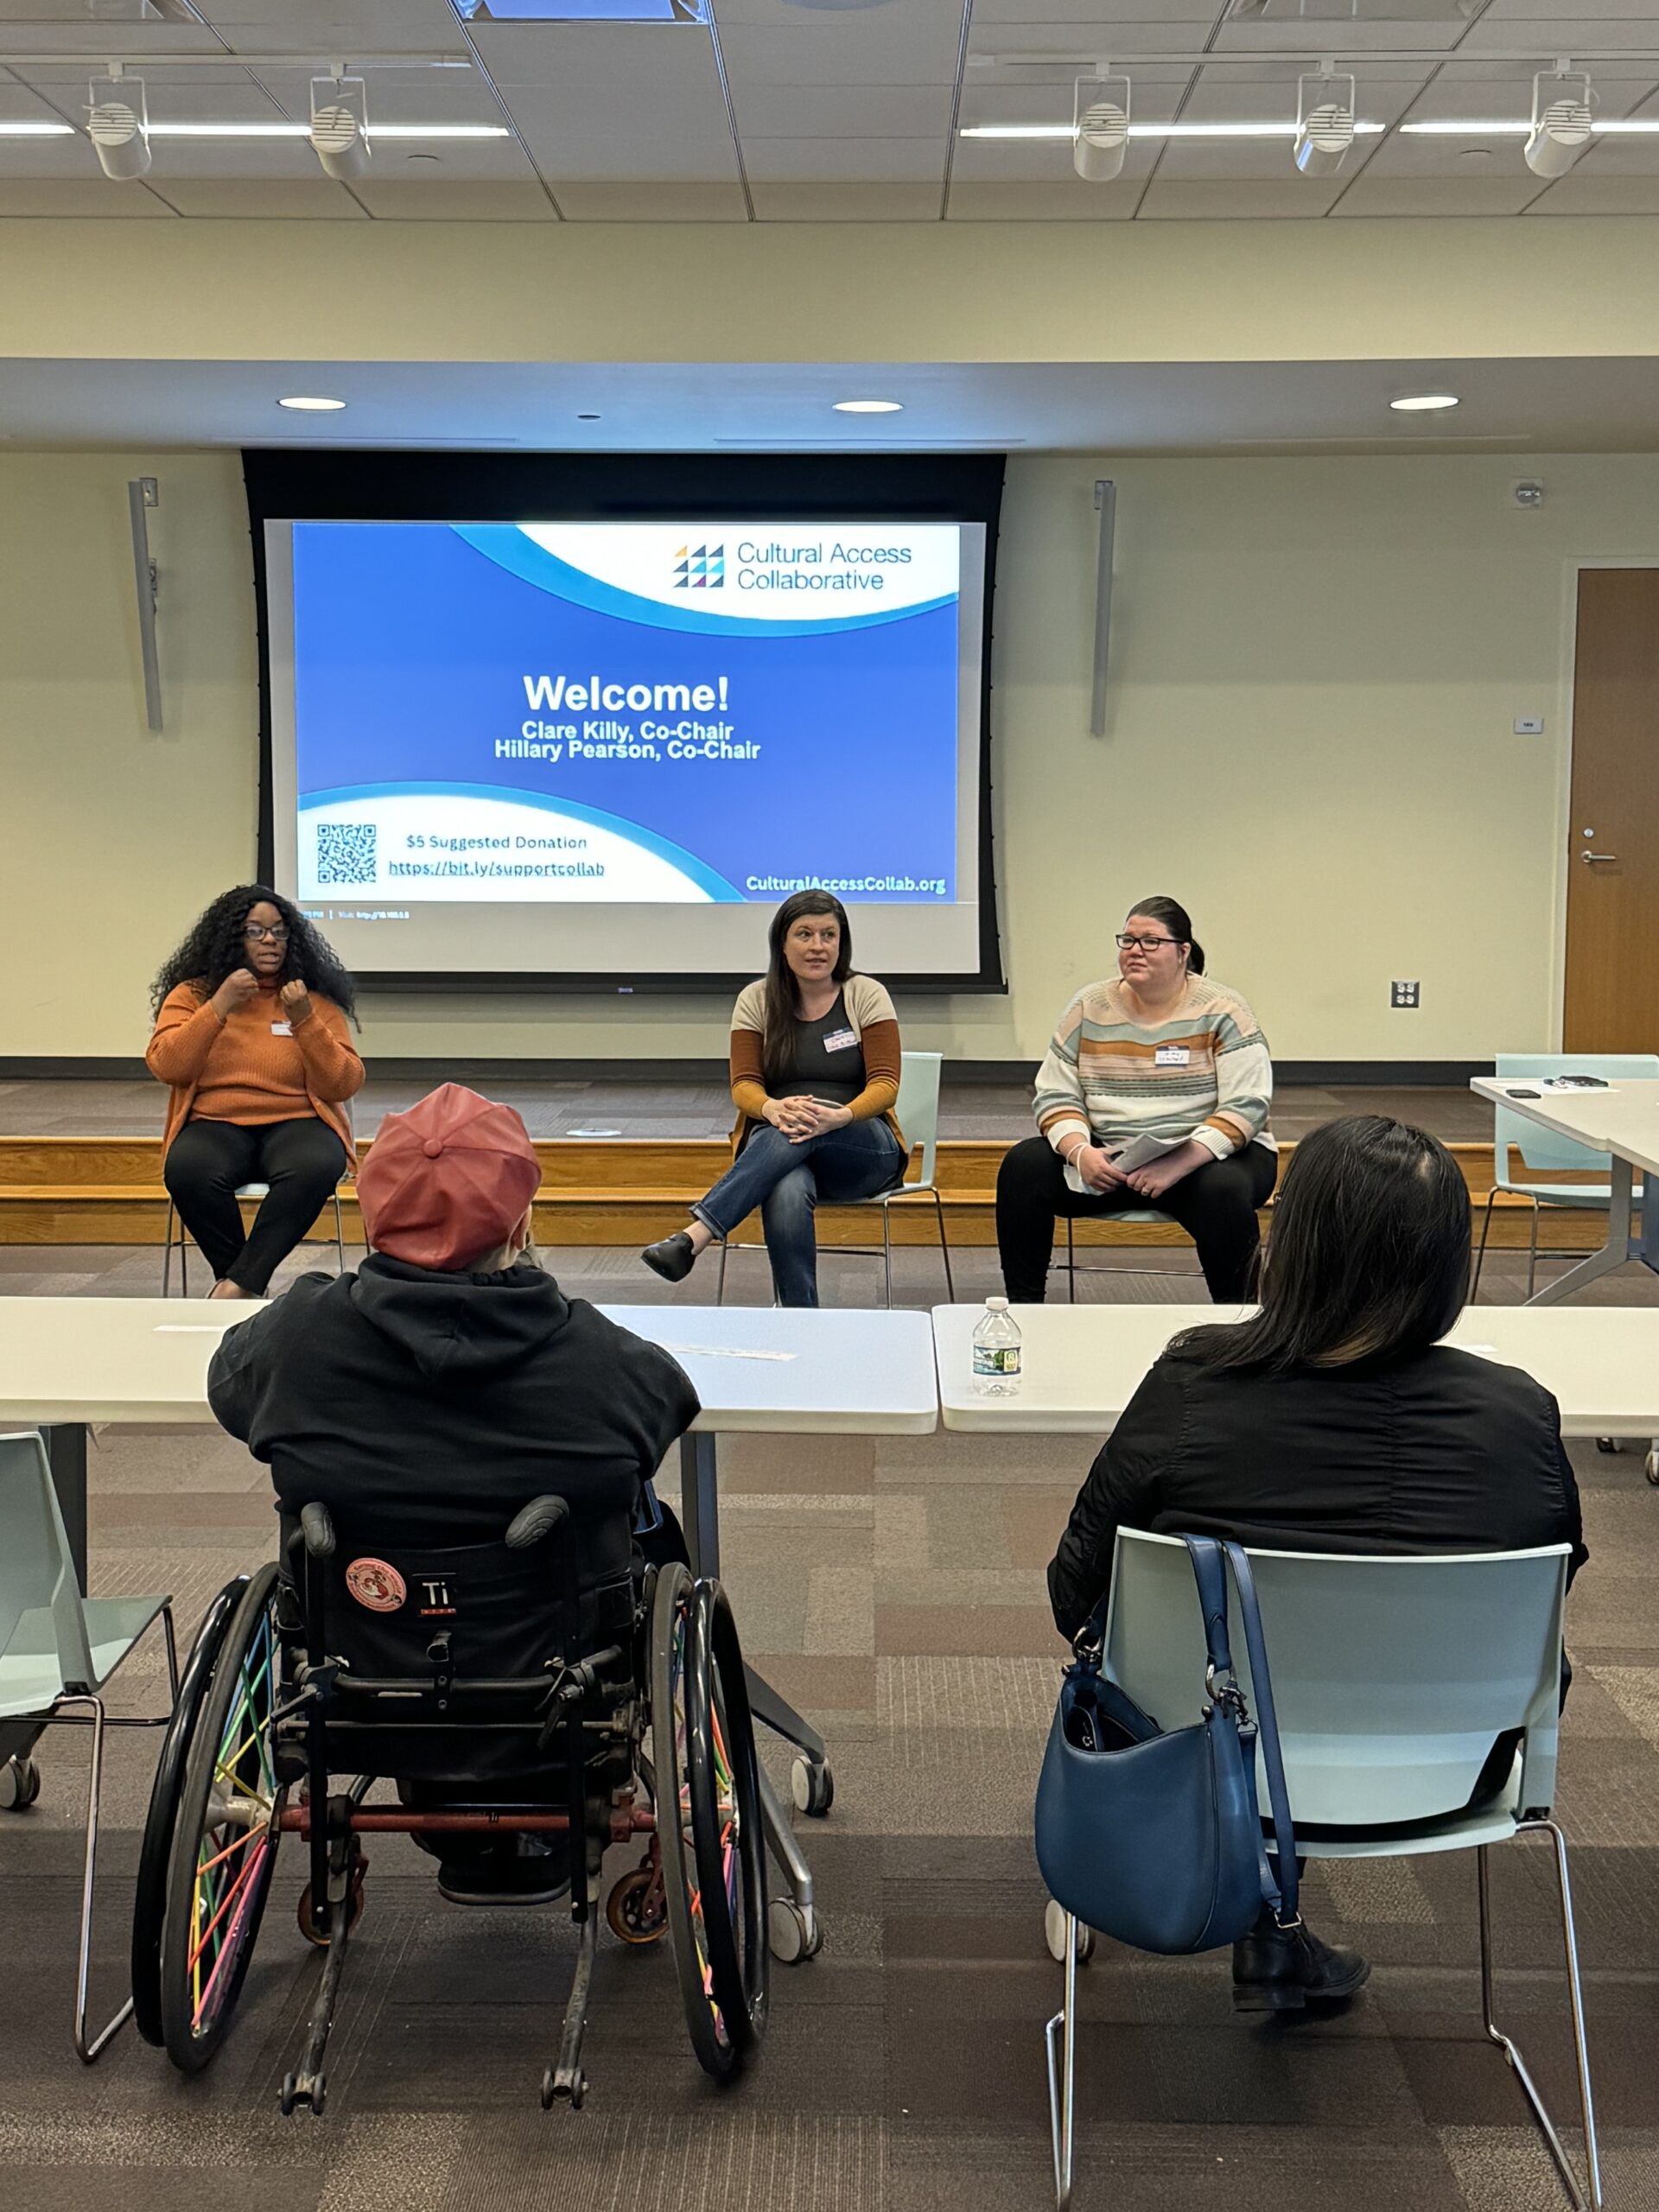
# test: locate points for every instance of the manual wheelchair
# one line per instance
(471, 1674)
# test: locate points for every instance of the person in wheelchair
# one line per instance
(442, 1386)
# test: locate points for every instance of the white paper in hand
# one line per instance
(1139, 1154)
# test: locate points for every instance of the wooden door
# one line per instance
(1612, 899)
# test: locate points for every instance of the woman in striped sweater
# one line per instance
(1158, 1053)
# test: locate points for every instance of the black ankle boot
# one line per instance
(1282, 1969)
(671, 1257)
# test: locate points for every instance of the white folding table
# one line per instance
(67, 1363)
(1621, 1119)
(1082, 1363)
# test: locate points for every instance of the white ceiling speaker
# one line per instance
(118, 123)
(1100, 126)
(339, 126)
(1325, 122)
(1563, 120)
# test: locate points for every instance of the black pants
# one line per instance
(208, 1160)
(1215, 1204)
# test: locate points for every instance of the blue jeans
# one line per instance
(786, 1181)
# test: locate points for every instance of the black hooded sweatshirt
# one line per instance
(436, 1405)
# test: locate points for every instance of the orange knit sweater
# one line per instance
(245, 1070)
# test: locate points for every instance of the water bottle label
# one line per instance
(997, 1359)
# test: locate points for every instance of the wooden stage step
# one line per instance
(615, 1191)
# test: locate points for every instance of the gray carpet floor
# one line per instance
(895, 1589)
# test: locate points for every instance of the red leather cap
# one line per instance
(448, 1181)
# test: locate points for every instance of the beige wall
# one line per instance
(1316, 665)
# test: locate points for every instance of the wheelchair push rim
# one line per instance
(226, 1835)
(709, 1819)
(150, 1902)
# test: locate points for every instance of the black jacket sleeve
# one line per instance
(1124, 1485)
(238, 1372)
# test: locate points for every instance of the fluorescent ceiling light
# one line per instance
(37, 130)
(1285, 131)
(869, 406)
(1632, 126)
(303, 405)
(303, 130)
(1425, 403)
(587, 11)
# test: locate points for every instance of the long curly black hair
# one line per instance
(214, 950)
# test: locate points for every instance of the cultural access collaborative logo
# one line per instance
(700, 568)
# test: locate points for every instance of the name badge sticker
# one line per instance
(1172, 1056)
(282, 1029)
(840, 1040)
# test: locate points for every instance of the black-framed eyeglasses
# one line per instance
(278, 932)
(1146, 943)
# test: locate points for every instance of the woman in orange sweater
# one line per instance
(250, 1036)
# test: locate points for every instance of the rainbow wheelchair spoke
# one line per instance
(233, 1851)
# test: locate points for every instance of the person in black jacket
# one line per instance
(449, 1381)
(1333, 1420)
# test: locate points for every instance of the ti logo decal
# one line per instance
(700, 568)
(436, 1592)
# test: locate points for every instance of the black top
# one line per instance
(828, 1061)
(1439, 1452)
(439, 1404)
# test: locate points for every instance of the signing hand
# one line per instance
(1096, 1168)
(296, 1001)
(233, 994)
(1158, 1175)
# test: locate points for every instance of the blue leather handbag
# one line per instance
(1155, 1838)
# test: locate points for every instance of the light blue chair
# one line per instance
(1395, 1680)
(1542, 1153)
(58, 1651)
(917, 1114)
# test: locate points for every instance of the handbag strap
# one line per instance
(1210, 1559)
(1284, 1834)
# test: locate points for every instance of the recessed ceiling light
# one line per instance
(1424, 402)
(869, 406)
(302, 404)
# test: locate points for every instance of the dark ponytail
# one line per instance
(1176, 920)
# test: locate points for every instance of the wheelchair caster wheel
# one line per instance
(1651, 1466)
(793, 1936)
(286, 2100)
(20, 1780)
(812, 1788)
(307, 1918)
(547, 2088)
(637, 1908)
(1054, 1934)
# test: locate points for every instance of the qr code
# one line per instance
(345, 852)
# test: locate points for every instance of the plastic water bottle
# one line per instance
(996, 1351)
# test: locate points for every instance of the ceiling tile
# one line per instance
(393, 200)
(1592, 193)
(843, 111)
(1359, 35)
(1025, 102)
(653, 203)
(388, 26)
(1042, 161)
(844, 161)
(984, 199)
(846, 203)
(256, 197)
(937, 18)
(1176, 22)
(94, 196)
(1564, 30)
(1307, 197)
(909, 47)
(1376, 193)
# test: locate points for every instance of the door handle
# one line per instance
(1598, 857)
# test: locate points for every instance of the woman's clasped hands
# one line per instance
(802, 1117)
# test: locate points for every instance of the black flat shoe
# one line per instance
(671, 1257)
(1283, 1969)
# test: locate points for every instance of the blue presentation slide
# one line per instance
(659, 712)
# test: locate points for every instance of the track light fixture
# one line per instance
(1100, 125)
(118, 123)
(340, 125)
(1563, 117)
(1325, 122)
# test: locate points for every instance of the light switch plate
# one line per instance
(1528, 725)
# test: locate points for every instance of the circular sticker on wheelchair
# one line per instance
(375, 1584)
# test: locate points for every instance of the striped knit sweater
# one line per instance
(1103, 1076)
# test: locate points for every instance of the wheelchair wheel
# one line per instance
(224, 1836)
(709, 1819)
(150, 1902)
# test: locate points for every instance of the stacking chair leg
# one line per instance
(1480, 1255)
(1532, 1254)
(887, 1256)
(1061, 2036)
(944, 1250)
(720, 1279)
(1576, 2193)
(173, 1223)
(340, 1231)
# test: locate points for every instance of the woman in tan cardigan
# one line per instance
(815, 1077)
(250, 1037)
